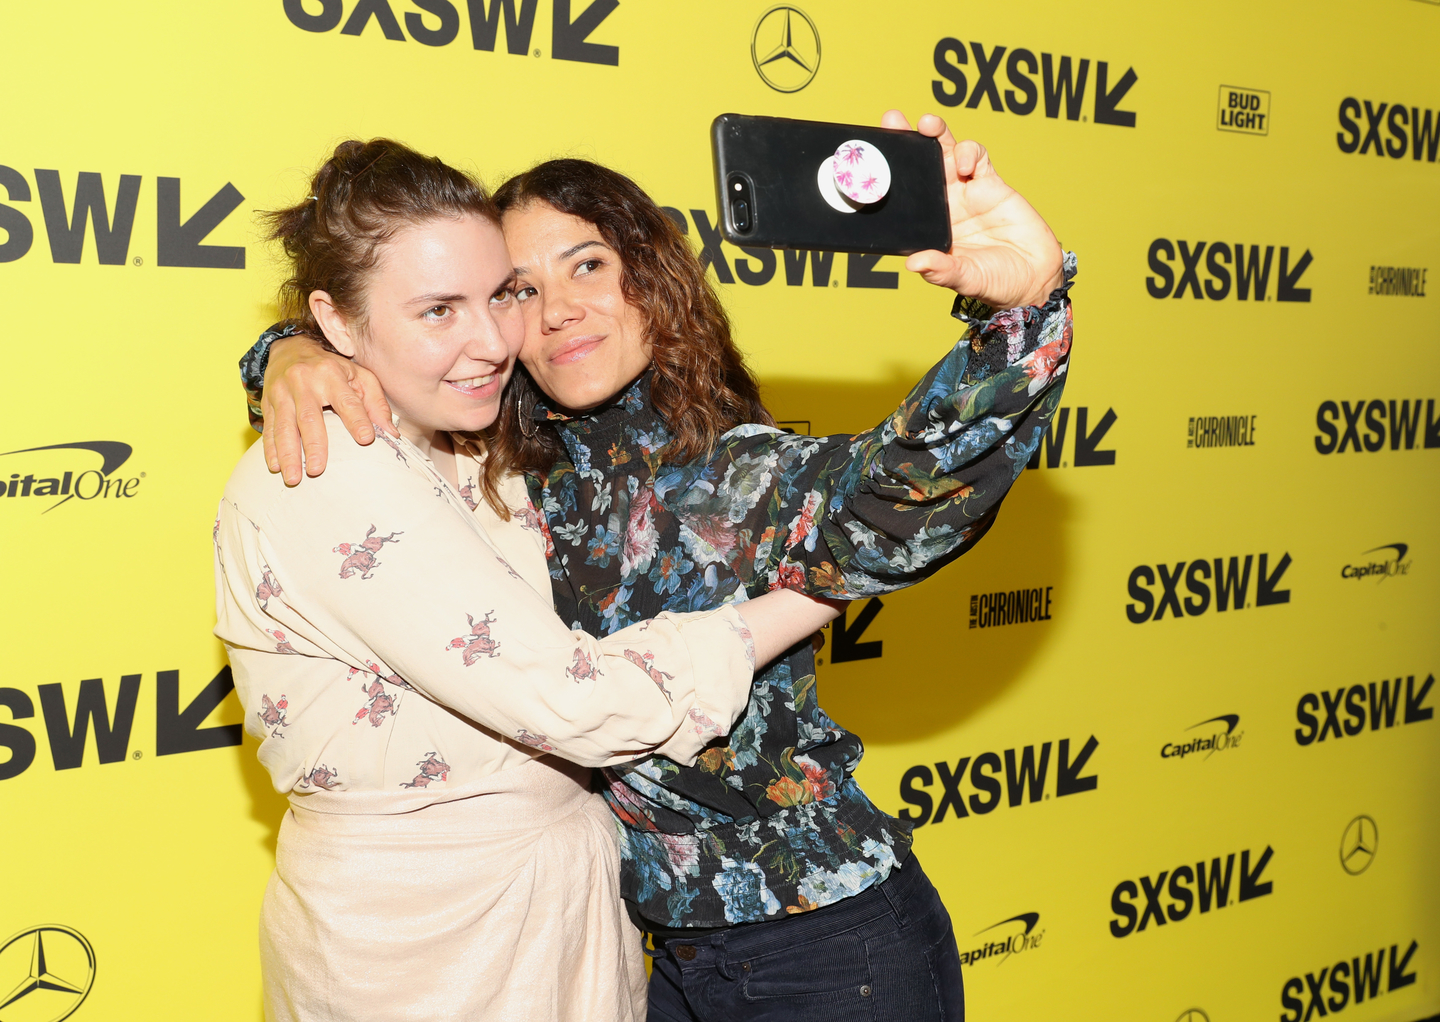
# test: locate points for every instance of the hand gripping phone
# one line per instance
(776, 186)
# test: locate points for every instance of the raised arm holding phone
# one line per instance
(767, 879)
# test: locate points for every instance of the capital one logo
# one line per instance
(66, 211)
(437, 23)
(59, 473)
(1005, 939)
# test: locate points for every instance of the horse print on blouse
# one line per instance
(703, 724)
(467, 493)
(387, 675)
(378, 705)
(320, 777)
(394, 444)
(432, 768)
(269, 586)
(646, 663)
(272, 715)
(534, 741)
(583, 669)
(478, 643)
(532, 521)
(361, 556)
(282, 644)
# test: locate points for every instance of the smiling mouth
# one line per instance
(476, 386)
(576, 349)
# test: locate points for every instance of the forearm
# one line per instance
(779, 619)
(920, 489)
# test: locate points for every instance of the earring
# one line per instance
(528, 428)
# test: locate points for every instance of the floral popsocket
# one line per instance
(857, 175)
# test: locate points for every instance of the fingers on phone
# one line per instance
(895, 119)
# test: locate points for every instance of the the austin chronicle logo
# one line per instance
(785, 48)
(1358, 845)
(45, 974)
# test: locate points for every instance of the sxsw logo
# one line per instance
(1188, 890)
(759, 266)
(1231, 583)
(437, 23)
(65, 216)
(1024, 776)
(1405, 128)
(1339, 426)
(1086, 450)
(1244, 110)
(1383, 705)
(66, 731)
(1251, 275)
(1062, 82)
(1350, 983)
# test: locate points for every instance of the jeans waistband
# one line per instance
(756, 938)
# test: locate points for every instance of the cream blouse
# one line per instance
(387, 632)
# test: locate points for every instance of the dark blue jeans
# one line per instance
(886, 955)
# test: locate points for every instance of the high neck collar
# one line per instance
(632, 407)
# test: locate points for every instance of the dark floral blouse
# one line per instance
(772, 821)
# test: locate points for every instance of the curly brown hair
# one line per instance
(701, 386)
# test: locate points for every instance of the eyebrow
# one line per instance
(572, 250)
(435, 298)
(441, 298)
(580, 248)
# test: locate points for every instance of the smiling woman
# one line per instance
(395, 648)
(665, 487)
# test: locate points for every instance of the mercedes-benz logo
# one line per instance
(1193, 1015)
(1358, 844)
(45, 974)
(785, 48)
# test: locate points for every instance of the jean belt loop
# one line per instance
(891, 889)
(722, 956)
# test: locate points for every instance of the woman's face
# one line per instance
(442, 325)
(584, 343)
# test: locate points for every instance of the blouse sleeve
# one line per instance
(852, 516)
(371, 565)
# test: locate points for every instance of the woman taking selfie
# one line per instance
(771, 886)
(395, 648)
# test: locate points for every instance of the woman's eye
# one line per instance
(525, 293)
(438, 312)
(502, 296)
(588, 266)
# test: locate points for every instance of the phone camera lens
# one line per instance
(742, 204)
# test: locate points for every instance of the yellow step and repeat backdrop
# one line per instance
(1168, 734)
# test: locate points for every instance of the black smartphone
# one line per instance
(783, 183)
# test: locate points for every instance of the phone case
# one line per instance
(767, 177)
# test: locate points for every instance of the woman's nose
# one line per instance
(487, 343)
(559, 311)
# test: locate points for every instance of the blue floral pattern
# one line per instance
(771, 821)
